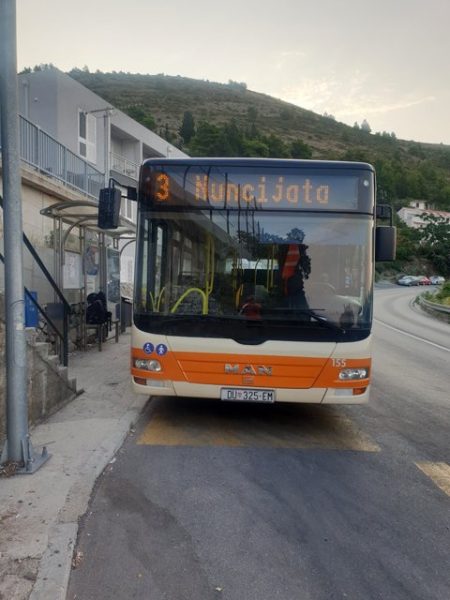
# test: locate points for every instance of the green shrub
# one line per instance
(444, 293)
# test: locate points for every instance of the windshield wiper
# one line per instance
(321, 319)
(309, 312)
(169, 319)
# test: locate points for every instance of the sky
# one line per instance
(386, 61)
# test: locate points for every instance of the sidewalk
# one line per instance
(39, 513)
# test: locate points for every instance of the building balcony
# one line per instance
(123, 165)
(46, 155)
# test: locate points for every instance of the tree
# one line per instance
(436, 242)
(357, 154)
(277, 148)
(299, 149)
(255, 148)
(408, 240)
(187, 129)
(237, 85)
(206, 141)
(138, 113)
(253, 132)
(149, 122)
(252, 114)
(167, 134)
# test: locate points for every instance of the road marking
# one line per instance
(416, 337)
(438, 472)
(302, 428)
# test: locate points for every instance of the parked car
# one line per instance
(408, 280)
(424, 280)
(437, 279)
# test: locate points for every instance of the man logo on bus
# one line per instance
(248, 369)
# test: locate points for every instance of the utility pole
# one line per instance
(18, 447)
(107, 112)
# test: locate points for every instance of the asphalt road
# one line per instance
(210, 500)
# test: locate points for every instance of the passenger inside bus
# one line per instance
(295, 265)
(251, 309)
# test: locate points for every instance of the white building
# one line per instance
(413, 215)
(71, 143)
(91, 128)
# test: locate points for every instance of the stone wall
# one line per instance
(48, 384)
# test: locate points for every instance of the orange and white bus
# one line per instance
(254, 279)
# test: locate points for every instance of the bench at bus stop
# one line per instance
(102, 330)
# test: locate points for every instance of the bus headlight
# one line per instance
(147, 365)
(352, 374)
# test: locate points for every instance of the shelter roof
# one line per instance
(84, 213)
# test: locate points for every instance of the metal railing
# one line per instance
(55, 314)
(43, 152)
(61, 334)
(120, 164)
(434, 306)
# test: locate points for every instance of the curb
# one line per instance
(56, 563)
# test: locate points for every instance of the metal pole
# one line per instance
(103, 263)
(106, 121)
(18, 446)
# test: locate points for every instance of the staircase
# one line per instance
(49, 385)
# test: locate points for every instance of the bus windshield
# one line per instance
(251, 275)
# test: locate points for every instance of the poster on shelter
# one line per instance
(72, 272)
(91, 260)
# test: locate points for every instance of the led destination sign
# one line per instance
(255, 189)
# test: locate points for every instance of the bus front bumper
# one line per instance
(306, 396)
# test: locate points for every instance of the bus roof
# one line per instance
(260, 162)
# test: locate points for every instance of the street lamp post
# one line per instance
(18, 449)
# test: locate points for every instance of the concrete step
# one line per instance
(53, 361)
(72, 383)
(63, 372)
(42, 349)
(31, 334)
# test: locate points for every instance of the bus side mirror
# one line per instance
(385, 243)
(109, 208)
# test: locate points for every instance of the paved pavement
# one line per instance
(39, 512)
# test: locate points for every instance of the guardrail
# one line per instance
(441, 311)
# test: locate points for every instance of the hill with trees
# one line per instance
(204, 118)
(212, 119)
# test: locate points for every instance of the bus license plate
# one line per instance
(247, 395)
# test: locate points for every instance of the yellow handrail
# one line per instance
(207, 259)
(238, 295)
(190, 291)
(157, 302)
(210, 266)
(256, 272)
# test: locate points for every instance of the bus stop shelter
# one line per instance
(86, 258)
